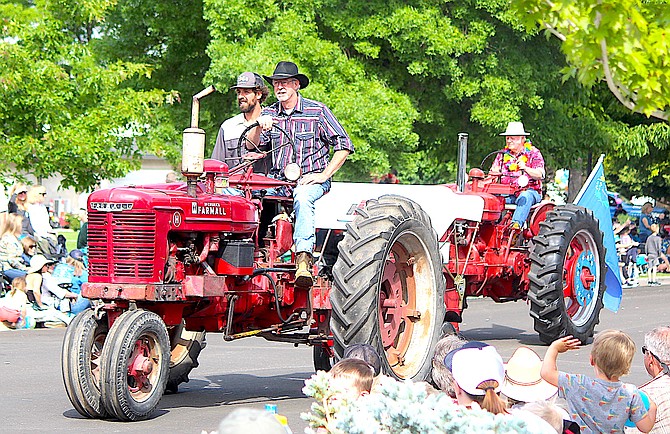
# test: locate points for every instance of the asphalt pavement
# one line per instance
(252, 372)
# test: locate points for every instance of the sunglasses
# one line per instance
(32, 246)
(43, 194)
(22, 192)
(646, 351)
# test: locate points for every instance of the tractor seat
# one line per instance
(512, 206)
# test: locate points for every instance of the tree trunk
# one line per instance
(576, 179)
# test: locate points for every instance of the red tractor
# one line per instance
(170, 262)
(407, 267)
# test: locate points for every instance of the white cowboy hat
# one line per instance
(515, 129)
(37, 262)
(523, 381)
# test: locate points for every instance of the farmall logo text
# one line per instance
(208, 208)
(111, 207)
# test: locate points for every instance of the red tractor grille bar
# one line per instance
(121, 244)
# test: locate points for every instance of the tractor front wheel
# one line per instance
(135, 365)
(567, 274)
(82, 348)
(388, 286)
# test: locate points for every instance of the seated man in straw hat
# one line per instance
(520, 162)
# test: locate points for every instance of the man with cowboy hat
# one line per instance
(522, 163)
(314, 130)
(251, 92)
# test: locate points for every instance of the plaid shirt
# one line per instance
(314, 130)
(658, 390)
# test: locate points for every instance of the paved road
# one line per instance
(253, 372)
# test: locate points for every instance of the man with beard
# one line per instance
(314, 131)
(251, 92)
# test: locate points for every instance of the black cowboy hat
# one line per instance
(286, 70)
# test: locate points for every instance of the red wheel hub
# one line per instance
(140, 366)
(397, 304)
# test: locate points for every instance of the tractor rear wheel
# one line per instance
(135, 365)
(82, 347)
(185, 347)
(567, 274)
(388, 286)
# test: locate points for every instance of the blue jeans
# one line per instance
(304, 197)
(79, 305)
(13, 273)
(524, 201)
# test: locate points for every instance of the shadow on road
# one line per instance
(498, 332)
(236, 389)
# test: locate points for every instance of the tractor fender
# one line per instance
(440, 202)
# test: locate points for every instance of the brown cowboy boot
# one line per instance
(303, 274)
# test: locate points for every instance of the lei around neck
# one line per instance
(510, 162)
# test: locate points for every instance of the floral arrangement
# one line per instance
(398, 407)
(511, 162)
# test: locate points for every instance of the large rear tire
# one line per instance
(135, 365)
(388, 286)
(185, 347)
(82, 347)
(567, 274)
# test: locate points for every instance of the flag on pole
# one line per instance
(593, 196)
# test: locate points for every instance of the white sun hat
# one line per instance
(515, 129)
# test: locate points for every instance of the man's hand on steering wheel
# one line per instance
(253, 156)
(265, 122)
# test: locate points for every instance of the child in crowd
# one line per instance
(604, 403)
(478, 375)
(654, 253)
(627, 249)
(13, 306)
(351, 378)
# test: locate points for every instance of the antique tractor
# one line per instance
(170, 262)
(407, 267)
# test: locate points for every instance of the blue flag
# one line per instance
(593, 196)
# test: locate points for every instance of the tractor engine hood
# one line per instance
(221, 212)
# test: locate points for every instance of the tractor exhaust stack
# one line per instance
(193, 149)
(462, 158)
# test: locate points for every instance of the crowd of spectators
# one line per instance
(536, 391)
(643, 245)
(41, 280)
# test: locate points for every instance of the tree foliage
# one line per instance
(624, 42)
(62, 111)
(79, 79)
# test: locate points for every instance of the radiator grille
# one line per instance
(122, 244)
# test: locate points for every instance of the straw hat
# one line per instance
(523, 381)
(515, 129)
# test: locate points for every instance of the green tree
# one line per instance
(170, 37)
(61, 110)
(623, 42)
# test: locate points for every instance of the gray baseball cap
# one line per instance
(248, 80)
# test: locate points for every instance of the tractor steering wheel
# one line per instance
(290, 172)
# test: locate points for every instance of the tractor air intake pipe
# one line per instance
(193, 149)
(462, 159)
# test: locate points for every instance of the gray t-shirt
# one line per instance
(600, 406)
(653, 247)
(228, 149)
